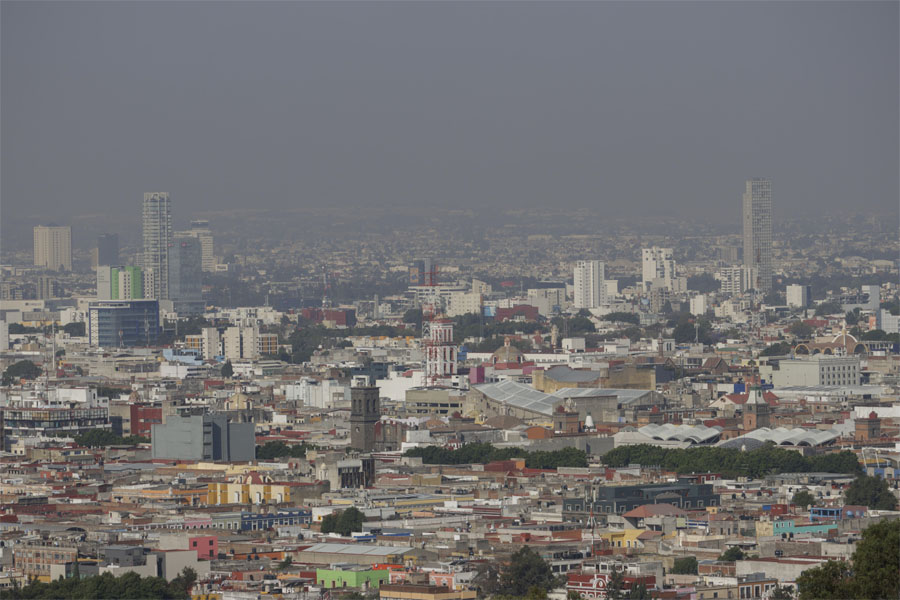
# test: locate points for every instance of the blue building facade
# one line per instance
(123, 323)
(263, 521)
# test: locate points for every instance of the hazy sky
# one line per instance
(626, 107)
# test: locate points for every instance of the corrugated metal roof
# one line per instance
(359, 549)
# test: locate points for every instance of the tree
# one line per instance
(871, 574)
(685, 566)
(615, 585)
(782, 593)
(227, 370)
(803, 498)
(777, 349)
(526, 569)
(830, 581)
(414, 317)
(873, 492)
(875, 561)
(343, 522)
(801, 330)
(286, 563)
(24, 369)
(74, 329)
(828, 308)
(732, 554)
(639, 591)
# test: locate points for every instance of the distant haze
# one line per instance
(630, 108)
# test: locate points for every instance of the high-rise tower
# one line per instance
(757, 221)
(53, 247)
(590, 289)
(156, 223)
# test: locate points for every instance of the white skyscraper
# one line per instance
(53, 247)
(158, 238)
(590, 291)
(201, 231)
(798, 296)
(658, 268)
(757, 222)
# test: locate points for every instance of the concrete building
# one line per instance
(813, 371)
(757, 228)
(590, 290)
(208, 343)
(158, 237)
(119, 283)
(657, 268)
(698, 305)
(123, 323)
(548, 301)
(798, 296)
(246, 342)
(204, 437)
(53, 247)
(201, 232)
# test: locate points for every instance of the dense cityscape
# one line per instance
(492, 398)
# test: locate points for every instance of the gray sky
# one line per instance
(627, 107)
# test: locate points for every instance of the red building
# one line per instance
(207, 546)
(593, 586)
(143, 416)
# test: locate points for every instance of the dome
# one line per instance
(844, 338)
(507, 353)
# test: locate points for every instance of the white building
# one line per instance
(325, 394)
(241, 342)
(657, 268)
(590, 289)
(735, 280)
(814, 371)
(698, 305)
(158, 237)
(547, 300)
(463, 303)
(887, 322)
(798, 296)
(53, 247)
(201, 231)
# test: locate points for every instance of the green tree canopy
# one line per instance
(227, 370)
(873, 492)
(803, 498)
(685, 566)
(801, 329)
(272, 450)
(732, 462)
(871, 574)
(101, 438)
(482, 453)
(526, 570)
(732, 554)
(343, 522)
(24, 369)
(129, 586)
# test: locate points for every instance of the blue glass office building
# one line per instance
(123, 323)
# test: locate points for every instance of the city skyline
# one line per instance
(515, 116)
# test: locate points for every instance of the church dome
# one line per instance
(507, 353)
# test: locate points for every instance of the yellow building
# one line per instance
(627, 538)
(249, 488)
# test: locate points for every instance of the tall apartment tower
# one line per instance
(757, 221)
(53, 247)
(156, 222)
(658, 268)
(201, 231)
(365, 412)
(590, 289)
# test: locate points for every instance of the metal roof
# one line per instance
(364, 549)
(784, 437)
(683, 433)
(519, 395)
